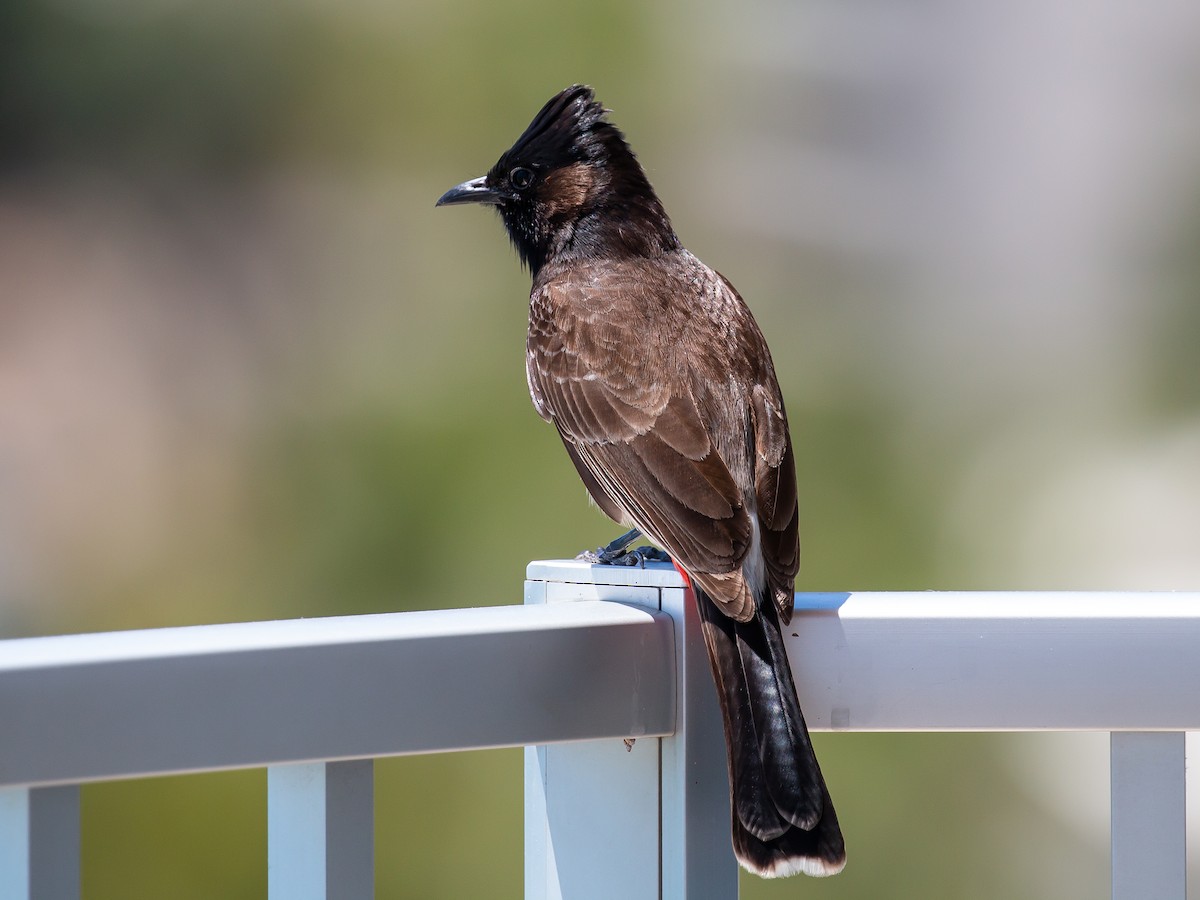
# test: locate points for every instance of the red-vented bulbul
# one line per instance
(663, 391)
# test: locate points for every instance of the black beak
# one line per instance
(473, 191)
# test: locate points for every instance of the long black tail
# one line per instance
(783, 819)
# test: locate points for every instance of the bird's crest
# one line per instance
(571, 127)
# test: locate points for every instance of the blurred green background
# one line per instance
(248, 372)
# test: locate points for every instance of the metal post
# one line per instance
(652, 821)
(592, 808)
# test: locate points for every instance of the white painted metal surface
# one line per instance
(1149, 850)
(972, 661)
(697, 858)
(321, 831)
(85, 707)
(39, 843)
(660, 806)
(592, 802)
(1123, 663)
(572, 673)
(978, 661)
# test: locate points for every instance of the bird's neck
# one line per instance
(621, 226)
(615, 226)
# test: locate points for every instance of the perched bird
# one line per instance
(662, 389)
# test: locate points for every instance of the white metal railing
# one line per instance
(567, 675)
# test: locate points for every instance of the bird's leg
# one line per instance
(617, 553)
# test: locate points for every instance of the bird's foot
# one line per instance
(618, 553)
(638, 556)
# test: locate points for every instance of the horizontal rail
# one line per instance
(970, 660)
(126, 704)
(315, 700)
(979, 661)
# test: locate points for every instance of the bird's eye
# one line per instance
(520, 178)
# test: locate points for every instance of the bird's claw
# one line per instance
(618, 553)
(638, 556)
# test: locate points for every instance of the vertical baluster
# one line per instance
(321, 831)
(1149, 853)
(39, 843)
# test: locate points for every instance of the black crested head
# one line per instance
(570, 188)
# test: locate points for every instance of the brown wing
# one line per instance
(632, 367)
(774, 469)
(775, 491)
